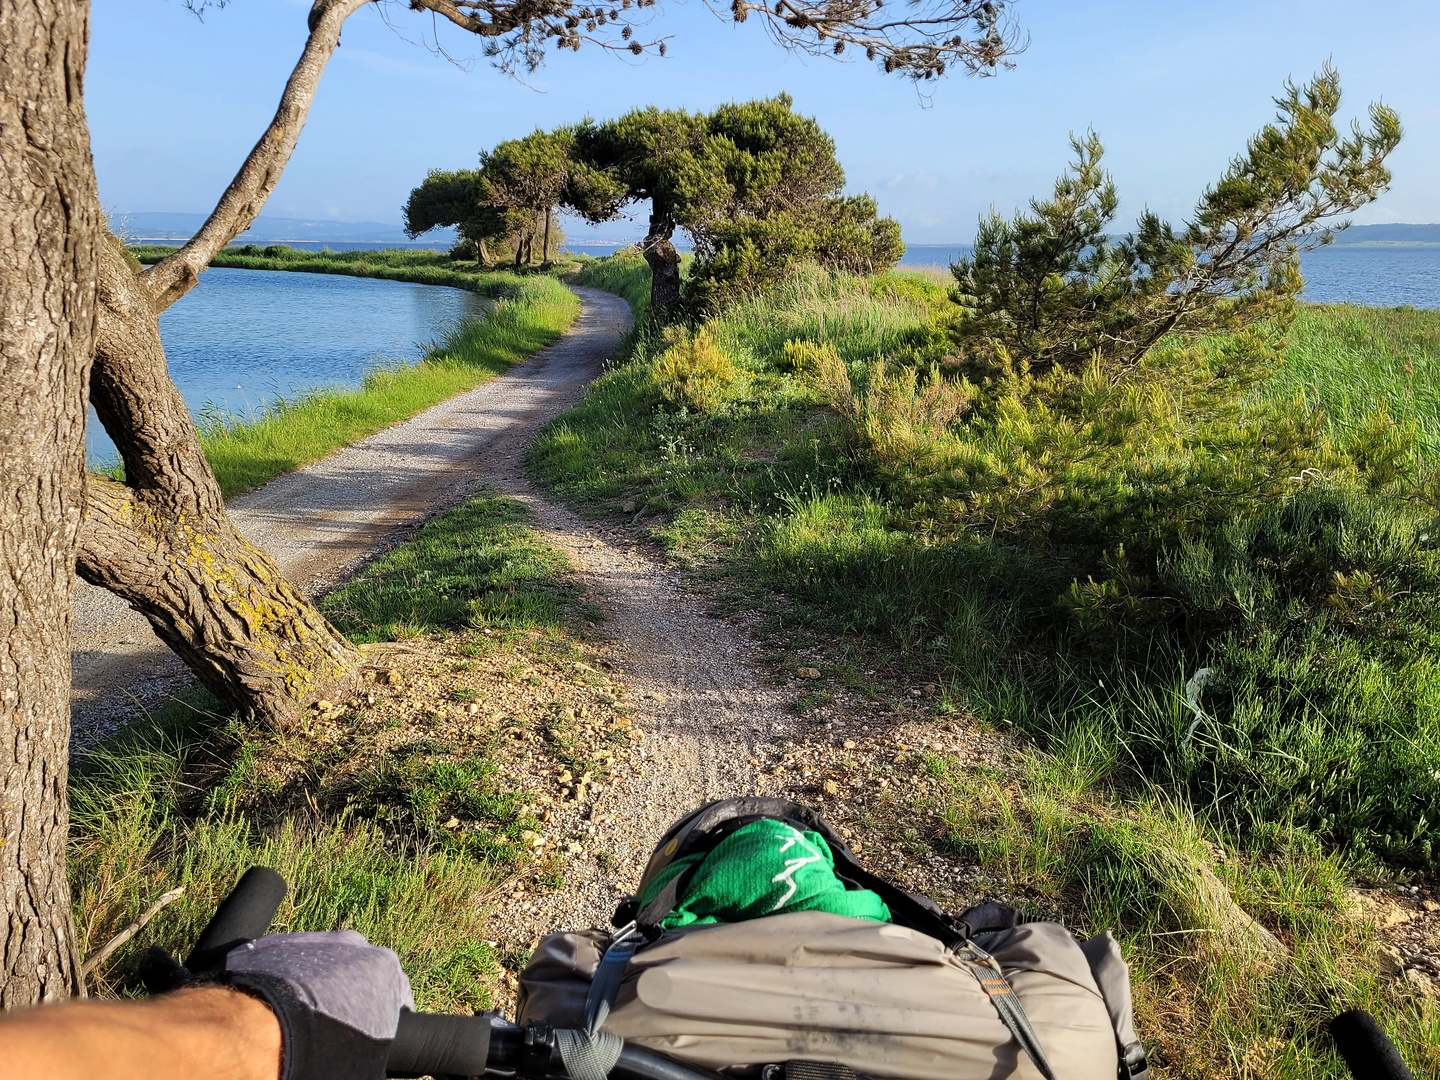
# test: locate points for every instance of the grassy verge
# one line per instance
(399, 813)
(1352, 358)
(391, 264)
(1209, 999)
(625, 274)
(529, 313)
(987, 554)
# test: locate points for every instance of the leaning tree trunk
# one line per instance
(49, 219)
(163, 540)
(545, 251)
(664, 263)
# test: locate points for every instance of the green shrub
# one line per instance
(900, 420)
(1323, 627)
(1072, 545)
(1051, 287)
(806, 356)
(695, 373)
(745, 254)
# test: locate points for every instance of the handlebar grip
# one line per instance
(435, 1044)
(242, 916)
(1367, 1050)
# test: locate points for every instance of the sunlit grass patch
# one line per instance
(1353, 358)
(626, 274)
(479, 565)
(140, 827)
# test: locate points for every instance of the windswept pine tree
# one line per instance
(755, 185)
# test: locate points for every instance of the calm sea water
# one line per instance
(1384, 275)
(241, 338)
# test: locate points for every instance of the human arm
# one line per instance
(326, 1006)
(209, 1031)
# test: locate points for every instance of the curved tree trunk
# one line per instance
(49, 220)
(164, 542)
(664, 263)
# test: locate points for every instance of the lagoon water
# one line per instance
(241, 338)
(1386, 275)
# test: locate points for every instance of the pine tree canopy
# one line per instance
(1051, 287)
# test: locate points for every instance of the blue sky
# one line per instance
(1173, 88)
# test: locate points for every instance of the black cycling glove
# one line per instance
(337, 997)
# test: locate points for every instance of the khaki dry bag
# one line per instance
(923, 997)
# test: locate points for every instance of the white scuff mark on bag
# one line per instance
(1192, 698)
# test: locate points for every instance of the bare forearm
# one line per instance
(211, 1032)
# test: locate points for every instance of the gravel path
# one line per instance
(713, 728)
(710, 723)
(324, 520)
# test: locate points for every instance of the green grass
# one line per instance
(625, 274)
(189, 797)
(529, 312)
(140, 825)
(1056, 835)
(480, 565)
(1314, 759)
(1319, 608)
(391, 264)
(1352, 358)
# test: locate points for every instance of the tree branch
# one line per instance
(174, 276)
(130, 931)
(929, 37)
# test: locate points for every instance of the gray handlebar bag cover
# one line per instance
(882, 999)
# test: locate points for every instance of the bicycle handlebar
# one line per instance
(445, 1045)
(242, 916)
(1368, 1052)
(434, 1044)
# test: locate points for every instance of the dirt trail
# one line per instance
(714, 728)
(324, 520)
(710, 722)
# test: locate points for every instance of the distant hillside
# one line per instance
(1390, 234)
(267, 229)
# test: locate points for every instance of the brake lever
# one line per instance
(242, 916)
